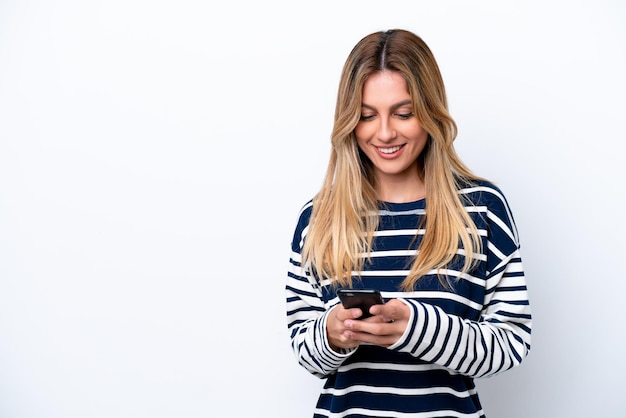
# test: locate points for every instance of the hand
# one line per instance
(384, 328)
(337, 331)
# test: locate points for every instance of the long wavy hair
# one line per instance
(345, 210)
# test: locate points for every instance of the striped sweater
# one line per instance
(478, 328)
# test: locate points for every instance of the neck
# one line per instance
(401, 191)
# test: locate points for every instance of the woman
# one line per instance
(399, 212)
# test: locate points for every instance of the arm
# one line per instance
(498, 341)
(500, 338)
(307, 314)
(307, 321)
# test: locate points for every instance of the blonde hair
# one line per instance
(345, 210)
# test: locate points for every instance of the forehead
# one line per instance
(385, 86)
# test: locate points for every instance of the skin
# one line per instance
(388, 123)
(392, 138)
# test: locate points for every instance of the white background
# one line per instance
(154, 156)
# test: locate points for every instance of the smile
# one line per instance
(389, 150)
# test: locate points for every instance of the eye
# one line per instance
(366, 117)
(405, 116)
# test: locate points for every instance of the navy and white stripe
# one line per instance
(478, 328)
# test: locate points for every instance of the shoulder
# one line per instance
(488, 199)
(302, 222)
(304, 214)
(484, 193)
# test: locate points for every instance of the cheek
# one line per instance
(361, 143)
(418, 133)
(362, 135)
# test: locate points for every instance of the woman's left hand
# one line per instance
(384, 328)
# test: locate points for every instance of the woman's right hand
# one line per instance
(337, 333)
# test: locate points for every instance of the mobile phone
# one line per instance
(360, 298)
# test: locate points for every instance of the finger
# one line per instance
(393, 310)
(385, 314)
(373, 325)
(348, 340)
(364, 337)
(342, 314)
(375, 319)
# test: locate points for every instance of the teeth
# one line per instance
(389, 150)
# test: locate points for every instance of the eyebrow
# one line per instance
(393, 107)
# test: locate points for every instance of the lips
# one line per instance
(389, 150)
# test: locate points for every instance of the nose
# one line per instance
(386, 130)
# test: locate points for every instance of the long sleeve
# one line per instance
(307, 313)
(498, 341)
(499, 338)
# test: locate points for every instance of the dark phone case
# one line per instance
(360, 298)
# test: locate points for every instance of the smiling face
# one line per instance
(390, 135)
